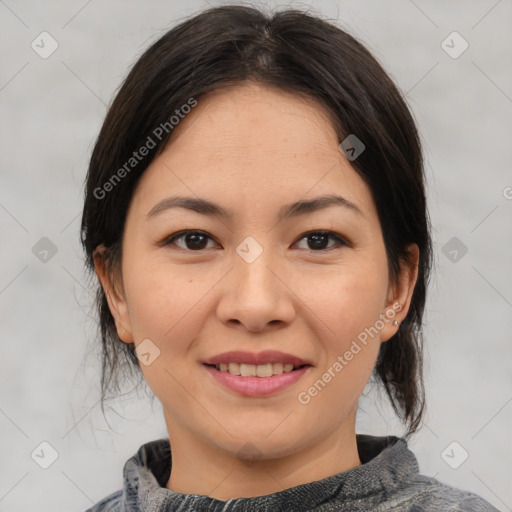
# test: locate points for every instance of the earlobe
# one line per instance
(115, 299)
(401, 293)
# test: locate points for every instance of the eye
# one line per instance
(197, 240)
(318, 240)
(192, 240)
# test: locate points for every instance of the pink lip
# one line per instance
(257, 386)
(265, 357)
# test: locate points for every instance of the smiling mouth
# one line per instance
(260, 370)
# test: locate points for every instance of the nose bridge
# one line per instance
(252, 294)
(254, 279)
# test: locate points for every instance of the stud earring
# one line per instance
(396, 324)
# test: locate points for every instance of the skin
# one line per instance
(237, 148)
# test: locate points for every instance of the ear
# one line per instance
(400, 294)
(113, 289)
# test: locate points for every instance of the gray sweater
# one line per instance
(388, 479)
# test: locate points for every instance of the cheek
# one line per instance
(347, 300)
(169, 308)
(347, 309)
(164, 303)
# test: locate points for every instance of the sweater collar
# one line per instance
(386, 465)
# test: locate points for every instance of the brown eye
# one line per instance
(191, 240)
(318, 240)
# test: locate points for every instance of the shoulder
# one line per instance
(112, 503)
(435, 496)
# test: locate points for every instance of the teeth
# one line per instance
(233, 368)
(264, 370)
(277, 368)
(247, 370)
(251, 370)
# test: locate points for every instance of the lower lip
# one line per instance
(257, 386)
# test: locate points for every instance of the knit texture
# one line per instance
(388, 479)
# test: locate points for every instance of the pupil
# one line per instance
(318, 238)
(196, 239)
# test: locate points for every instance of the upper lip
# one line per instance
(264, 357)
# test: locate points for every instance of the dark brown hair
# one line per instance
(295, 52)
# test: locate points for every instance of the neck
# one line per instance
(198, 467)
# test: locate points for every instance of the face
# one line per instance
(261, 275)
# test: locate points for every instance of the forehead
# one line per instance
(257, 144)
(250, 117)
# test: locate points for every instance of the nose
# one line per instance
(255, 295)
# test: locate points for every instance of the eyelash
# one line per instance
(331, 234)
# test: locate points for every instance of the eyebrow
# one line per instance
(209, 208)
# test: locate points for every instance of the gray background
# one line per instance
(52, 111)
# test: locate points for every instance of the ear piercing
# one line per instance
(396, 324)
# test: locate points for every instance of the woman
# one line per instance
(256, 215)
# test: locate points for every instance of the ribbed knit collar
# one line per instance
(386, 465)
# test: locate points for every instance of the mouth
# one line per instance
(256, 374)
(256, 380)
(261, 370)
